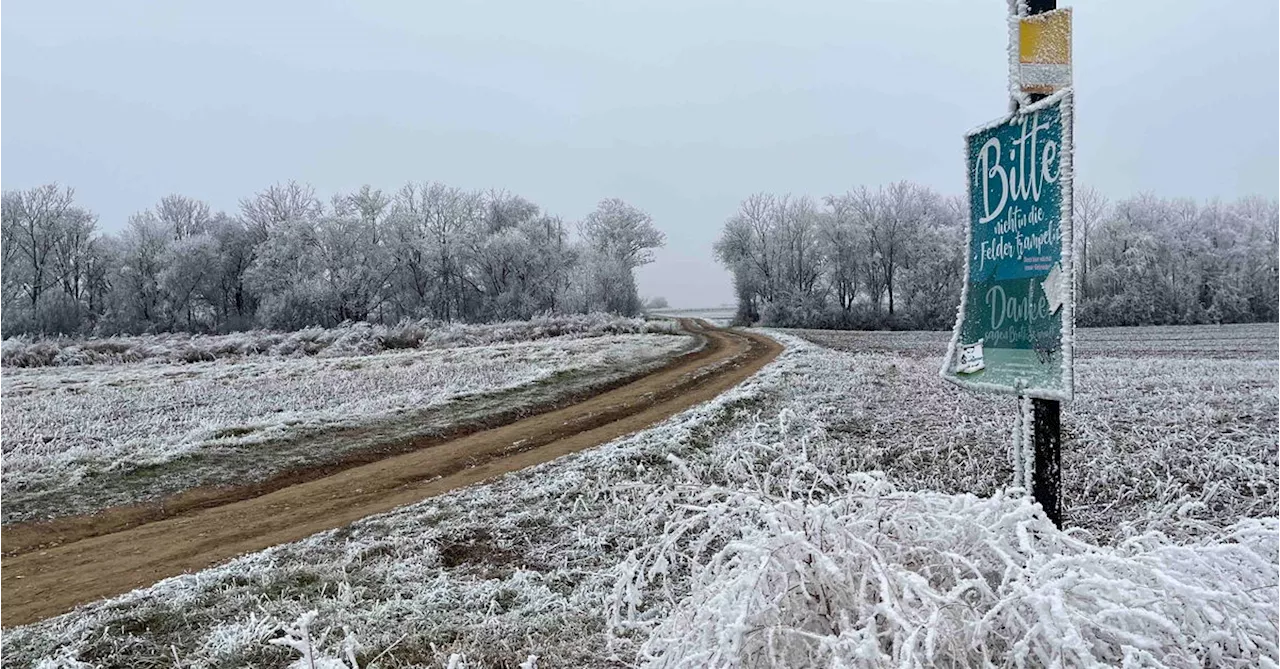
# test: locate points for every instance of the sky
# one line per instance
(680, 107)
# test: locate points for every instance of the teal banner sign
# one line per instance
(1014, 327)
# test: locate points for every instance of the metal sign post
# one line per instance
(1049, 42)
(1015, 325)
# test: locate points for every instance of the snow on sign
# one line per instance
(1044, 52)
(1014, 326)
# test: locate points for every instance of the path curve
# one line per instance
(45, 582)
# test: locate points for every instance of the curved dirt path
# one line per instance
(43, 582)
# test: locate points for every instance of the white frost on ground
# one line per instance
(721, 316)
(358, 338)
(1254, 341)
(811, 570)
(63, 424)
(1172, 429)
(743, 533)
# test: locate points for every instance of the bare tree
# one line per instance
(789, 259)
(355, 266)
(373, 207)
(14, 271)
(892, 217)
(1088, 207)
(34, 222)
(183, 216)
(188, 282)
(844, 249)
(278, 205)
(748, 247)
(71, 253)
(431, 224)
(235, 302)
(796, 223)
(622, 232)
(144, 251)
(618, 238)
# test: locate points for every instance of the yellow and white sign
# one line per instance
(1044, 52)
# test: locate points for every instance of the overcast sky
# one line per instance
(680, 107)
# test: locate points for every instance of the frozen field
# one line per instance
(839, 508)
(1255, 341)
(79, 438)
(358, 338)
(1163, 415)
(721, 316)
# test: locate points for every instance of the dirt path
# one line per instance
(45, 582)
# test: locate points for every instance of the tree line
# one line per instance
(288, 260)
(893, 257)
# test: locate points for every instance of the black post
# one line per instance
(1046, 433)
(1046, 425)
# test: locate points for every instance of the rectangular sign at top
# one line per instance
(1044, 52)
(1014, 327)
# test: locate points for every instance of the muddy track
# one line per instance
(110, 554)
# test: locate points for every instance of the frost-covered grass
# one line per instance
(748, 531)
(855, 573)
(1253, 341)
(1173, 428)
(118, 433)
(346, 340)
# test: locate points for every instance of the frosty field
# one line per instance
(839, 508)
(721, 316)
(1163, 416)
(79, 438)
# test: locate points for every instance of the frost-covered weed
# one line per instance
(348, 339)
(797, 565)
(298, 636)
